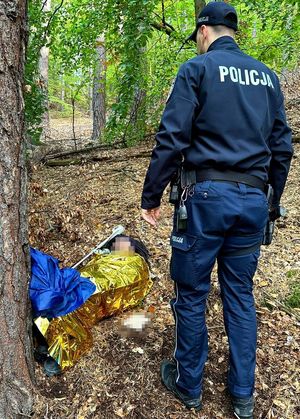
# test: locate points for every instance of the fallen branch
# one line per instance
(65, 162)
(81, 151)
(112, 146)
(70, 162)
(143, 154)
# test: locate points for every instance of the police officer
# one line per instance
(224, 123)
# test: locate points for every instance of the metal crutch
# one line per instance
(115, 232)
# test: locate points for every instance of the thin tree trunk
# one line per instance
(99, 108)
(90, 93)
(140, 92)
(62, 91)
(44, 70)
(16, 375)
(199, 4)
(136, 127)
(73, 122)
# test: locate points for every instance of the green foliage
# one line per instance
(294, 298)
(269, 31)
(142, 40)
(34, 96)
(74, 87)
(292, 273)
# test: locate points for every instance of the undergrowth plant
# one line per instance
(145, 45)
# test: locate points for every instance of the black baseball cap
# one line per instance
(216, 13)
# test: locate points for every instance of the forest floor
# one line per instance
(72, 208)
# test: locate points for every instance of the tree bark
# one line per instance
(199, 4)
(43, 71)
(163, 27)
(99, 108)
(16, 375)
(136, 127)
(90, 93)
(62, 91)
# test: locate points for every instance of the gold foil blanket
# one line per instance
(122, 281)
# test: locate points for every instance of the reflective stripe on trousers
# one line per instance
(225, 223)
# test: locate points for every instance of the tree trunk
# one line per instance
(90, 93)
(99, 108)
(136, 127)
(43, 71)
(16, 375)
(62, 91)
(199, 4)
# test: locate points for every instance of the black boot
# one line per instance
(51, 367)
(168, 377)
(243, 408)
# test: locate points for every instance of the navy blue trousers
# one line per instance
(225, 223)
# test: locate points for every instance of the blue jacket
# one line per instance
(225, 111)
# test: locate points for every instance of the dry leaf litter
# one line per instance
(72, 208)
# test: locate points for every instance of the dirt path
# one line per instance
(72, 209)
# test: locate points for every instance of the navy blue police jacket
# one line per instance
(226, 111)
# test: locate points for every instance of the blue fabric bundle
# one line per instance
(53, 291)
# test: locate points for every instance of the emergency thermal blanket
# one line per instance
(53, 291)
(121, 282)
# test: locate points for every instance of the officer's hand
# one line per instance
(276, 212)
(151, 215)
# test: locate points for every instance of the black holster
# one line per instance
(269, 228)
(175, 191)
